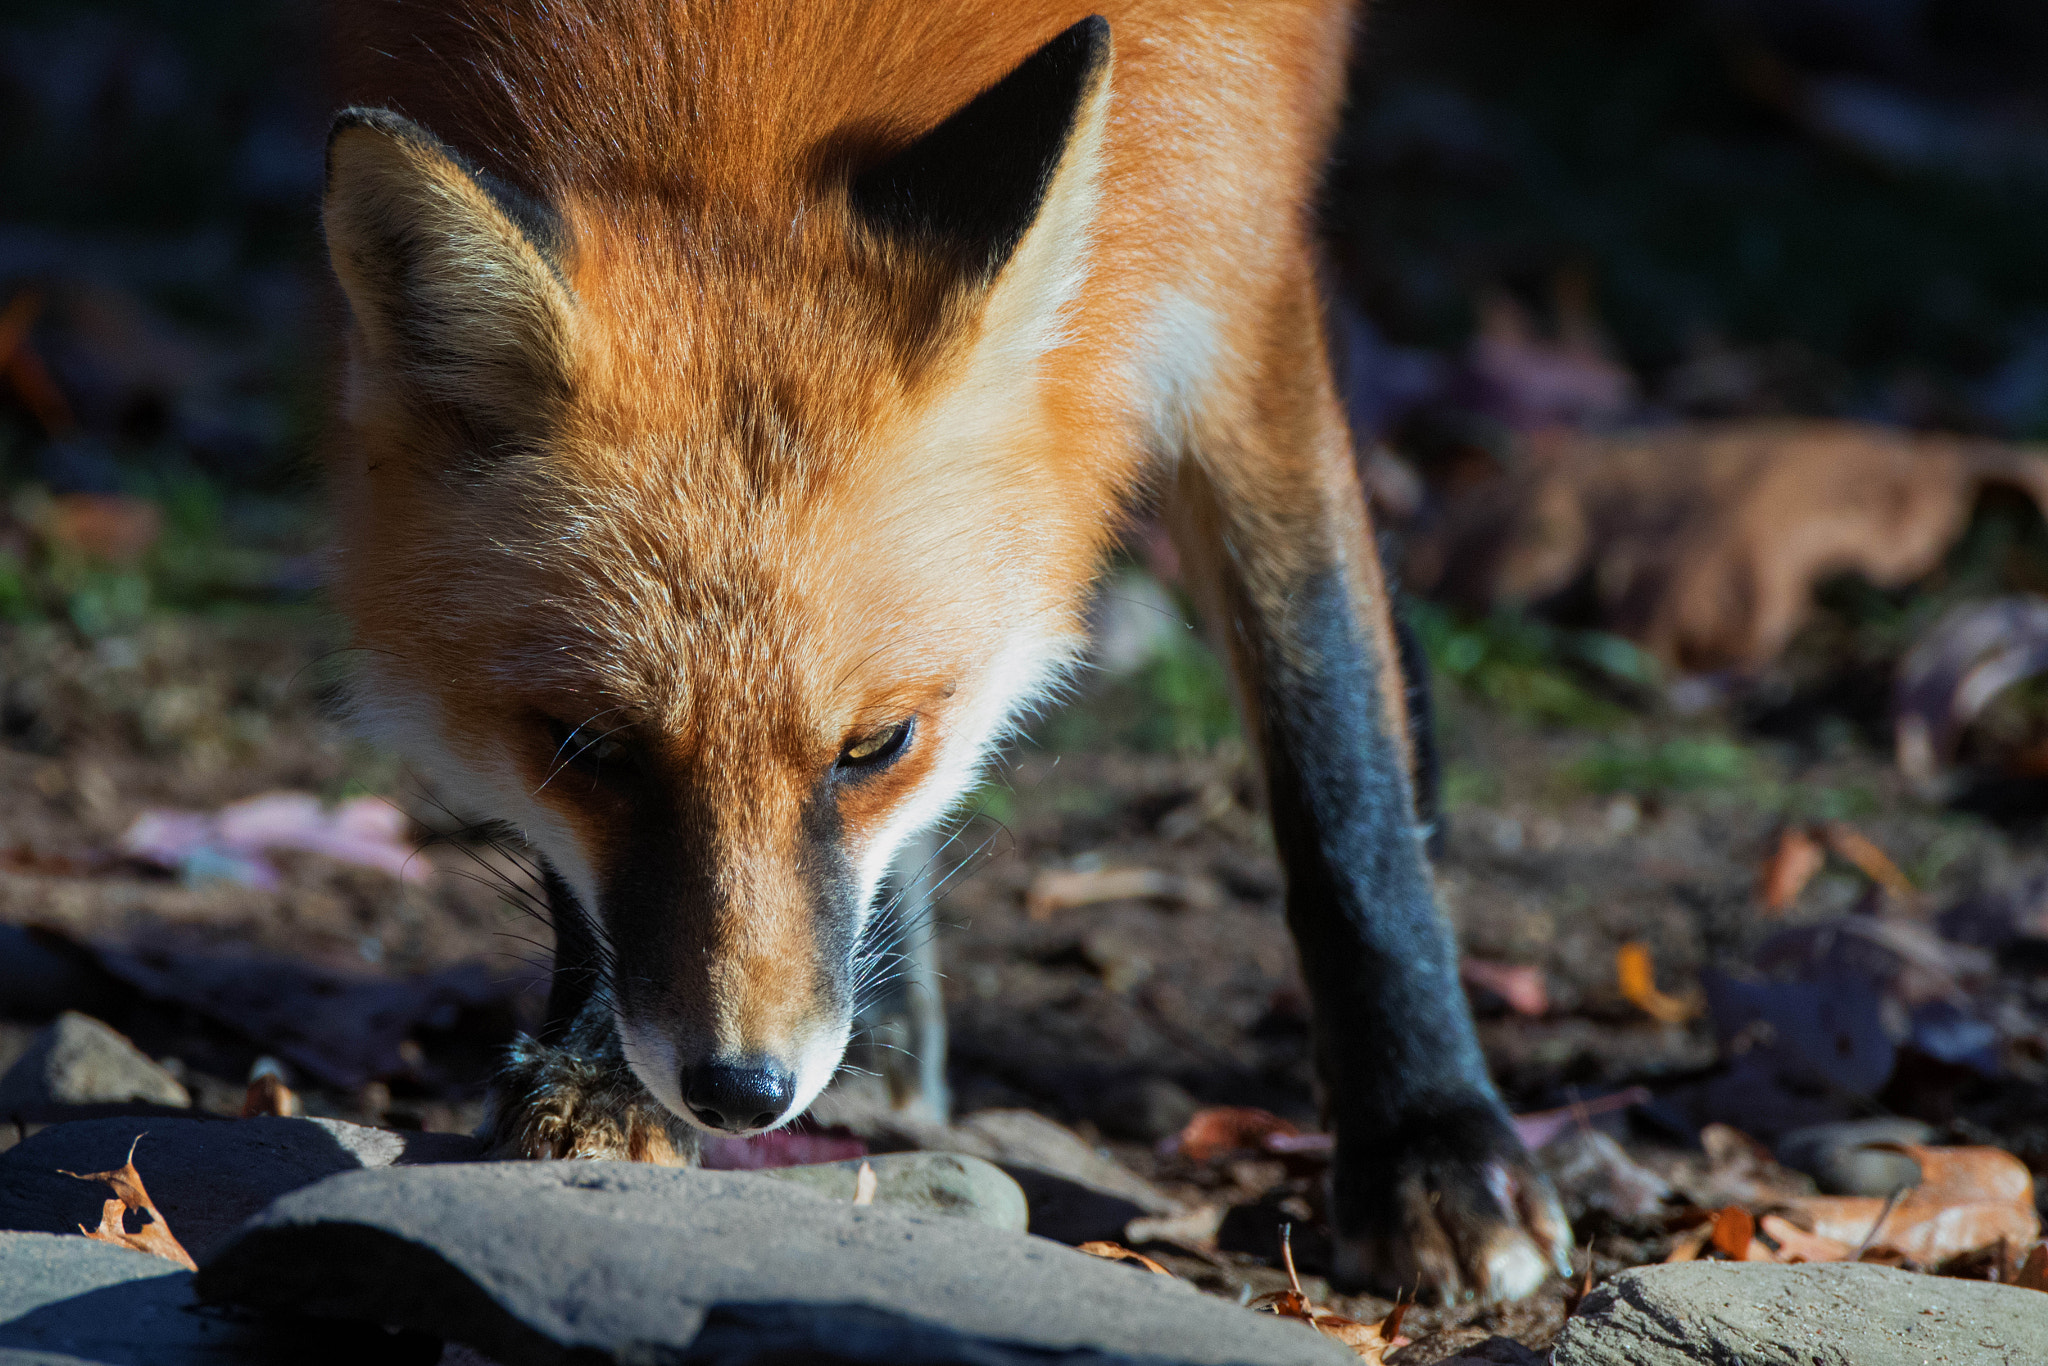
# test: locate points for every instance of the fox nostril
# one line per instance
(737, 1098)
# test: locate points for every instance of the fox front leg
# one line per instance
(1430, 1188)
(570, 1092)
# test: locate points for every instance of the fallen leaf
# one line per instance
(1968, 1197)
(864, 1184)
(1704, 541)
(1521, 985)
(1794, 1244)
(366, 831)
(1637, 975)
(1055, 889)
(1851, 846)
(1115, 1253)
(1223, 1129)
(1733, 1230)
(2033, 1273)
(1690, 1244)
(1370, 1341)
(1793, 862)
(154, 1237)
(268, 1095)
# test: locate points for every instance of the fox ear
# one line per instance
(455, 299)
(974, 186)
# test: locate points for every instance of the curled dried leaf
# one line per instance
(1733, 1230)
(1792, 863)
(268, 1095)
(1225, 1129)
(1687, 1246)
(1116, 1253)
(1792, 1243)
(1856, 849)
(1636, 972)
(1968, 1198)
(2033, 1273)
(130, 1197)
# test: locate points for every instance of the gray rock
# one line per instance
(1075, 1192)
(922, 1183)
(1495, 1351)
(78, 1062)
(544, 1263)
(206, 1175)
(71, 1301)
(1834, 1155)
(1593, 1173)
(1024, 1138)
(1761, 1314)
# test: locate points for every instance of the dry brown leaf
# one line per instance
(1369, 1341)
(1688, 1245)
(1734, 1229)
(1793, 861)
(1704, 541)
(1853, 847)
(1637, 974)
(1056, 890)
(1968, 1197)
(268, 1095)
(864, 1184)
(1224, 1129)
(1115, 1253)
(1795, 1244)
(2033, 1272)
(154, 1237)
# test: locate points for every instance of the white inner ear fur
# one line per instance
(498, 319)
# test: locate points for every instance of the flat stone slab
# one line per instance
(537, 1264)
(206, 1175)
(72, 1301)
(951, 1184)
(1760, 1314)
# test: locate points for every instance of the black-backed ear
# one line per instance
(974, 185)
(455, 294)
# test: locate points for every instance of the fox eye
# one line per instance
(876, 749)
(585, 748)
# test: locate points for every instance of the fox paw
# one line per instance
(549, 1102)
(1451, 1209)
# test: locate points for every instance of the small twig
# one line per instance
(1287, 1257)
(1891, 1202)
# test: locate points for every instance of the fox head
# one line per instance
(710, 534)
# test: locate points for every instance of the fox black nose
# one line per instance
(737, 1098)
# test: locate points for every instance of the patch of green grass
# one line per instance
(1177, 702)
(1461, 786)
(1653, 768)
(1534, 672)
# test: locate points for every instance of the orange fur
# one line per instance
(730, 471)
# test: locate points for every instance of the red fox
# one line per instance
(740, 399)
